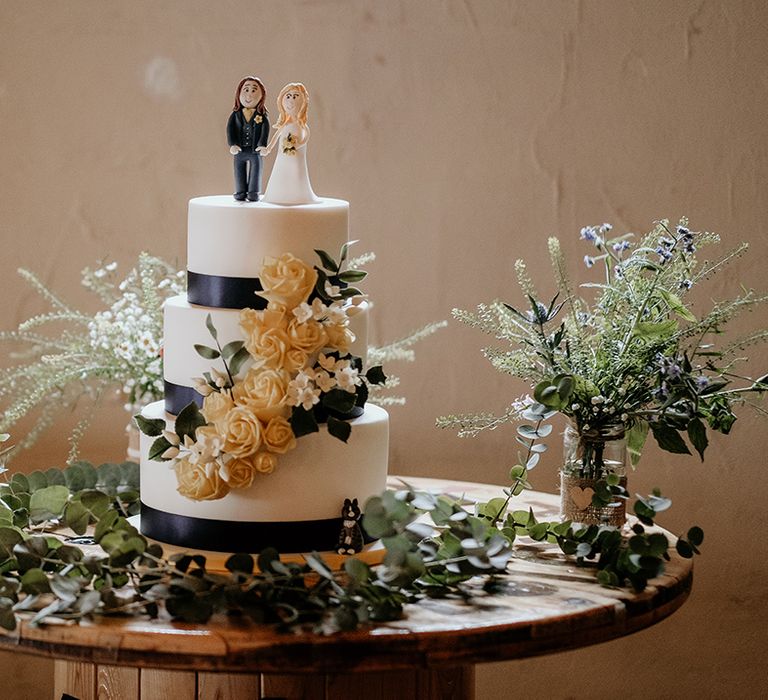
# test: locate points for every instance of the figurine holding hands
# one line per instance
(247, 132)
(289, 181)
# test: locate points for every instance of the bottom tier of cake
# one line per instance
(296, 508)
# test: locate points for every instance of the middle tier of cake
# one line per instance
(185, 327)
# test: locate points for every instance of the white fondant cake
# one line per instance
(232, 238)
(295, 505)
(310, 483)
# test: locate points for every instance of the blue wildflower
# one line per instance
(588, 233)
(683, 231)
(702, 382)
(589, 261)
(686, 284)
(605, 228)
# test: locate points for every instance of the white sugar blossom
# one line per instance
(202, 387)
(337, 314)
(220, 379)
(306, 396)
(319, 310)
(348, 378)
(332, 290)
(327, 362)
(303, 312)
(325, 381)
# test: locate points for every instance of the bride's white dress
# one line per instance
(289, 181)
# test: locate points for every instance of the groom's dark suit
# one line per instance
(249, 135)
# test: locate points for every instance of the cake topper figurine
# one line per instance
(289, 181)
(247, 133)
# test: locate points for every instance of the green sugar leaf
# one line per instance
(375, 375)
(303, 422)
(151, 427)
(238, 360)
(188, 421)
(157, 449)
(339, 429)
(327, 261)
(206, 352)
(211, 328)
(231, 348)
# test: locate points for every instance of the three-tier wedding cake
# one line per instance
(265, 432)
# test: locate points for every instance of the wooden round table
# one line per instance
(550, 605)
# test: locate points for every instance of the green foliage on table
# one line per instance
(434, 547)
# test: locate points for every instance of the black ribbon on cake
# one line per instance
(224, 292)
(178, 396)
(234, 536)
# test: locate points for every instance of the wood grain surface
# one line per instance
(549, 604)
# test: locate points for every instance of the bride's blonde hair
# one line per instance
(302, 115)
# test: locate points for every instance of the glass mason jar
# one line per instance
(588, 457)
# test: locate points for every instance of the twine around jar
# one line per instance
(576, 502)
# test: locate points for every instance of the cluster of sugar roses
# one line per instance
(297, 374)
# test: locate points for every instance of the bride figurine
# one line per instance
(289, 181)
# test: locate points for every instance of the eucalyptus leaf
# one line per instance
(34, 581)
(242, 563)
(76, 517)
(37, 480)
(695, 536)
(48, 503)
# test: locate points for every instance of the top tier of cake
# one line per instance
(228, 239)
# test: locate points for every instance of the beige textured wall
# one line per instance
(463, 133)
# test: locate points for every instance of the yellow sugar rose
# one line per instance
(287, 280)
(278, 436)
(216, 406)
(294, 360)
(265, 462)
(242, 432)
(239, 472)
(199, 482)
(269, 349)
(339, 337)
(263, 392)
(309, 336)
(266, 336)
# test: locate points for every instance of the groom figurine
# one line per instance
(247, 134)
